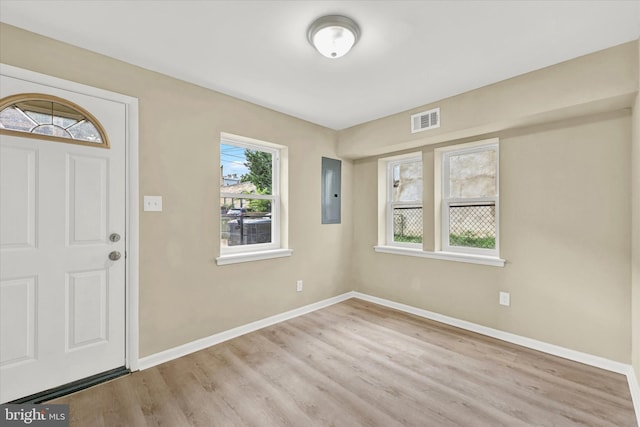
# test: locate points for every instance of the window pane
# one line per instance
(407, 224)
(473, 174)
(247, 202)
(252, 168)
(85, 131)
(40, 118)
(14, 119)
(47, 112)
(46, 117)
(407, 182)
(51, 130)
(232, 165)
(260, 165)
(244, 221)
(473, 226)
(63, 122)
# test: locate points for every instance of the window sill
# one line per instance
(447, 256)
(252, 256)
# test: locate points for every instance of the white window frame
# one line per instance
(433, 229)
(390, 205)
(446, 201)
(229, 254)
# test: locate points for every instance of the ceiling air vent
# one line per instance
(425, 120)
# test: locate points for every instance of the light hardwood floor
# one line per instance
(360, 364)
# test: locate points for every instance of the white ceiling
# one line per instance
(410, 53)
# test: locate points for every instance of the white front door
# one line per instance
(62, 300)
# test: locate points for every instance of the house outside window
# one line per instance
(470, 200)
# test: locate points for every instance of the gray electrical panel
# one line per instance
(331, 190)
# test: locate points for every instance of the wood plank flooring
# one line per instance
(360, 364)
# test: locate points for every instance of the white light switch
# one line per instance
(153, 203)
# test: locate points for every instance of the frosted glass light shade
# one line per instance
(333, 36)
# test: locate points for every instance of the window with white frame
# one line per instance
(470, 202)
(249, 196)
(404, 202)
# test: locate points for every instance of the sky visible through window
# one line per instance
(232, 160)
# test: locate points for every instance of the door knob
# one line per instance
(114, 256)
(114, 237)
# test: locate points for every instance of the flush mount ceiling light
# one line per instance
(333, 35)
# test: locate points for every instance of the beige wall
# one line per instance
(635, 234)
(184, 295)
(565, 213)
(565, 187)
(599, 82)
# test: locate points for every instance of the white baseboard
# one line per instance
(635, 391)
(577, 356)
(587, 359)
(191, 347)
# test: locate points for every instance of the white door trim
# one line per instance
(132, 194)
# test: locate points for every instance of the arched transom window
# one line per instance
(50, 117)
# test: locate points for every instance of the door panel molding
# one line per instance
(87, 188)
(87, 308)
(18, 320)
(22, 234)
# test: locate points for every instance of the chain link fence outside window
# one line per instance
(472, 226)
(407, 224)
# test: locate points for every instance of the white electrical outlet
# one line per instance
(153, 203)
(505, 298)
(299, 286)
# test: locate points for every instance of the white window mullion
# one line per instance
(275, 221)
(248, 196)
(389, 221)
